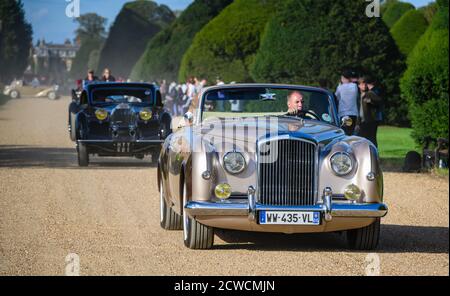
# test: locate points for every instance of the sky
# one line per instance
(50, 22)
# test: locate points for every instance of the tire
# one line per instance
(366, 238)
(169, 220)
(14, 94)
(52, 96)
(83, 155)
(72, 131)
(196, 236)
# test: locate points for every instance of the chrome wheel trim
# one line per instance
(186, 221)
(161, 202)
(14, 94)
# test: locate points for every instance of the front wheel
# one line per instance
(169, 220)
(83, 155)
(196, 236)
(14, 94)
(365, 238)
(52, 96)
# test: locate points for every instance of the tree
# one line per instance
(15, 40)
(136, 23)
(310, 42)
(90, 26)
(164, 52)
(394, 10)
(408, 30)
(91, 35)
(227, 45)
(425, 83)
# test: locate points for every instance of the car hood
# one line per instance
(254, 129)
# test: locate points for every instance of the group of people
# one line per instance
(359, 98)
(179, 98)
(90, 78)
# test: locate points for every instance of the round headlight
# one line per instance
(341, 163)
(145, 114)
(234, 162)
(101, 114)
(223, 191)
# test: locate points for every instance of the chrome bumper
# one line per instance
(251, 208)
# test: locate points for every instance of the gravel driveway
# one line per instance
(108, 215)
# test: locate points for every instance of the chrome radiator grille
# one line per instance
(287, 173)
(123, 117)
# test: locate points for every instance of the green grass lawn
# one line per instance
(393, 144)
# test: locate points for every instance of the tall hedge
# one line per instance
(408, 30)
(425, 83)
(137, 22)
(81, 63)
(311, 41)
(162, 58)
(227, 45)
(394, 10)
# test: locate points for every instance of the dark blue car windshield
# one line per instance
(122, 95)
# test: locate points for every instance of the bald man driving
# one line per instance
(295, 103)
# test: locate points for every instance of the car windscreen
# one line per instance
(254, 102)
(122, 95)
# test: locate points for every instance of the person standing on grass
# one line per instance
(347, 96)
(369, 109)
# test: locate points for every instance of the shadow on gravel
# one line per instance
(394, 239)
(64, 158)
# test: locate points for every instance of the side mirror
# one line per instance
(189, 117)
(347, 121)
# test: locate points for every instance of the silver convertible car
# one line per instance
(269, 158)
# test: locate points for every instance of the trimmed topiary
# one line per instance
(311, 41)
(394, 10)
(164, 52)
(226, 46)
(425, 83)
(137, 22)
(408, 30)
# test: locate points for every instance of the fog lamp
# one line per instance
(352, 192)
(101, 114)
(223, 191)
(145, 115)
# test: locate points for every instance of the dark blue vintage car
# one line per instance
(118, 119)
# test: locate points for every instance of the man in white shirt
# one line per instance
(347, 95)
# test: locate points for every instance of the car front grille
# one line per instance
(123, 117)
(287, 173)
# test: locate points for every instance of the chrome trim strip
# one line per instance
(242, 209)
(112, 142)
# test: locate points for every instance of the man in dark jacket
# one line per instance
(368, 109)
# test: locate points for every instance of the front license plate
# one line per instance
(289, 218)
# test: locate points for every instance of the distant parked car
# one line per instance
(118, 119)
(19, 88)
